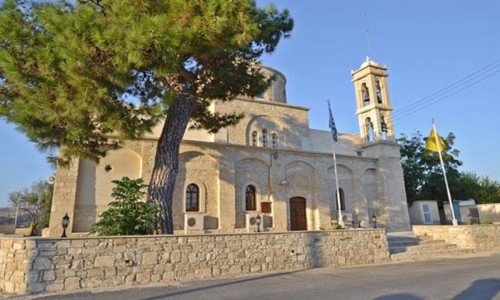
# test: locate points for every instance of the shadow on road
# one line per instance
(187, 291)
(484, 289)
(401, 296)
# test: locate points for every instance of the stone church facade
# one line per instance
(271, 165)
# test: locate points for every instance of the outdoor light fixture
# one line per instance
(258, 220)
(275, 155)
(374, 219)
(65, 223)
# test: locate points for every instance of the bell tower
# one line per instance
(373, 104)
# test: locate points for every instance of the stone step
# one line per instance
(421, 248)
(414, 242)
(432, 254)
(403, 240)
(413, 248)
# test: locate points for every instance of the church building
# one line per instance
(269, 167)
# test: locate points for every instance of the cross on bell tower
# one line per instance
(373, 105)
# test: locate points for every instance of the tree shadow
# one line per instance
(401, 296)
(209, 287)
(484, 289)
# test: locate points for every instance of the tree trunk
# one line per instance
(166, 167)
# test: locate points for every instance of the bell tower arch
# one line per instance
(373, 104)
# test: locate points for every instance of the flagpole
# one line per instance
(340, 219)
(454, 220)
(332, 124)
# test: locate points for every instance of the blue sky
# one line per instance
(443, 59)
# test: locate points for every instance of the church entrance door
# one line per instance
(298, 220)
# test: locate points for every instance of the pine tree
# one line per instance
(83, 77)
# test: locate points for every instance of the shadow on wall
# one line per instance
(316, 251)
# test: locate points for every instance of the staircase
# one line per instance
(407, 247)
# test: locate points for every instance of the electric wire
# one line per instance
(464, 83)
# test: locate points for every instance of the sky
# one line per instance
(443, 60)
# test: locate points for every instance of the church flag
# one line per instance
(434, 142)
(332, 123)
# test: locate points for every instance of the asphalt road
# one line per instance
(475, 278)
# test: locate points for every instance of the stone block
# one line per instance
(149, 258)
(18, 245)
(104, 261)
(42, 263)
(234, 270)
(48, 275)
(96, 273)
(203, 273)
(9, 287)
(55, 287)
(36, 287)
(143, 277)
(77, 243)
(72, 283)
(255, 268)
(74, 251)
(110, 272)
(175, 257)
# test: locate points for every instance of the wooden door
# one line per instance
(298, 220)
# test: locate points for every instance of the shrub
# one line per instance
(486, 222)
(127, 215)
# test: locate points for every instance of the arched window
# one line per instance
(264, 137)
(365, 95)
(254, 138)
(192, 198)
(250, 199)
(378, 91)
(383, 127)
(342, 200)
(274, 139)
(369, 130)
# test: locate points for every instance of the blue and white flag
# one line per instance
(332, 123)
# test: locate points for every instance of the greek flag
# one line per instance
(332, 123)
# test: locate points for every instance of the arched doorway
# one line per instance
(298, 219)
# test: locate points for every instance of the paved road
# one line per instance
(475, 278)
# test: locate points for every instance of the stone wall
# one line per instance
(37, 265)
(480, 238)
(489, 212)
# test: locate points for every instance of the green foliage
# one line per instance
(70, 75)
(127, 215)
(482, 189)
(83, 77)
(36, 202)
(422, 170)
(424, 177)
(486, 222)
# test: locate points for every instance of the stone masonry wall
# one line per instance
(480, 238)
(37, 265)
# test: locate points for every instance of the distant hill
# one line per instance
(8, 216)
(7, 211)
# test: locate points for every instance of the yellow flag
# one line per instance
(431, 142)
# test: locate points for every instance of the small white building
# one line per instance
(269, 164)
(424, 212)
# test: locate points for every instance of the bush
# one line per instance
(486, 222)
(127, 215)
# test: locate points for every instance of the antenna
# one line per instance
(367, 31)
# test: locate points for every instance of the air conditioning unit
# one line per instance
(194, 222)
(251, 221)
(346, 216)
